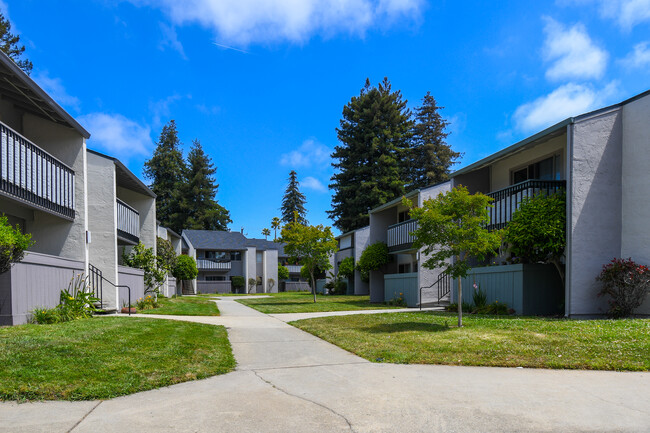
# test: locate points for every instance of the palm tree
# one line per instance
(275, 223)
(266, 232)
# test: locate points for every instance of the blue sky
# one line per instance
(262, 84)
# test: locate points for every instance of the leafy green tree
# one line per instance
(452, 226)
(373, 258)
(143, 258)
(293, 203)
(166, 256)
(198, 208)
(311, 246)
(185, 268)
(266, 233)
(252, 282)
(13, 244)
(275, 225)
(9, 44)
(238, 282)
(346, 267)
(283, 272)
(371, 161)
(537, 231)
(166, 170)
(431, 157)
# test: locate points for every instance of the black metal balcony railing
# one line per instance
(399, 235)
(128, 222)
(31, 175)
(507, 200)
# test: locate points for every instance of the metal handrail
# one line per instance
(443, 278)
(98, 275)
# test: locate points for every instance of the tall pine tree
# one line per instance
(199, 209)
(166, 170)
(9, 44)
(375, 134)
(431, 157)
(294, 201)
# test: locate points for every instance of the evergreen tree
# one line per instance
(375, 134)
(431, 156)
(199, 209)
(166, 170)
(9, 44)
(293, 202)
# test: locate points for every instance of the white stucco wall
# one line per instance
(594, 213)
(361, 238)
(379, 222)
(102, 224)
(635, 213)
(271, 270)
(146, 207)
(250, 264)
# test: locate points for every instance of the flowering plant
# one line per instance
(626, 283)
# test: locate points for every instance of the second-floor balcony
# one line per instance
(204, 264)
(294, 269)
(507, 200)
(399, 235)
(128, 223)
(30, 175)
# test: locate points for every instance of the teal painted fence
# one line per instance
(529, 289)
(407, 284)
(320, 286)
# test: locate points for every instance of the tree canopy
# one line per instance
(293, 202)
(9, 43)
(13, 244)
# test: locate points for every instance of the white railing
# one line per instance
(399, 236)
(294, 269)
(128, 222)
(30, 174)
(213, 265)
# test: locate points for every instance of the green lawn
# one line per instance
(184, 306)
(303, 302)
(101, 358)
(433, 338)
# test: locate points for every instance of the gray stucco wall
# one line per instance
(635, 234)
(102, 250)
(134, 278)
(146, 206)
(379, 222)
(35, 282)
(271, 270)
(594, 214)
(54, 235)
(361, 238)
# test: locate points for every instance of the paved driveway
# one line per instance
(290, 381)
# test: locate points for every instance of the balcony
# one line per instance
(128, 223)
(212, 265)
(507, 200)
(32, 176)
(399, 235)
(294, 269)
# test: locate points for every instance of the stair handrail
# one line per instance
(442, 277)
(99, 273)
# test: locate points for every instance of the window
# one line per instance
(404, 268)
(259, 256)
(546, 169)
(215, 278)
(235, 256)
(403, 216)
(216, 255)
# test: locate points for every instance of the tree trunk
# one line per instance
(313, 286)
(460, 299)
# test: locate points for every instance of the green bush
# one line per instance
(479, 297)
(397, 300)
(252, 282)
(495, 308)
(626, 284)
(165, 254)
(12, 244)
(373, 258)
(283, 272)
(147, 303)
(45, 316)
(346, 267)
(75, 302)
(185, 268)
(237, 283)
(143, 258)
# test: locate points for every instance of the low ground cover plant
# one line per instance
(76, 302)
(626, 284)
(147, 303)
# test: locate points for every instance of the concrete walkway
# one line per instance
(290, 381)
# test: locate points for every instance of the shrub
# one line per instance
(373, 258)
(45, 316)
(147, 303)
(496, 308)
(12, 244)
(166, 256)
(283, 272)
(237, 283)
(304, 273)
(143, 258)
(626, 283)
(75, 302)
(346, 268)
(467, 308)
(252, 282)
(397, 300)
(185, 268)
(479, 297)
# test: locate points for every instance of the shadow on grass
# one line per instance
(388, 328)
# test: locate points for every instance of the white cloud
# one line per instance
(565, 101)
(116, 135)
(627, 13)
(161, 109)
(250, 21)
(54, 88)
(572, 53)
(170, 39)
(640, 57)
(312, 183)
(309, 154)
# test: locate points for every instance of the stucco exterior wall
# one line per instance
(635, 213)
(594, 213)
(474, 181)
(146, 207)
(379, 222)
(54, 235)
(361, 238)
(271, 270)
(250, 264)
(102, 224)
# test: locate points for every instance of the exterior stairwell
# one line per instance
(437, 294)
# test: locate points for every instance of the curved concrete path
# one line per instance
(291, 381)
